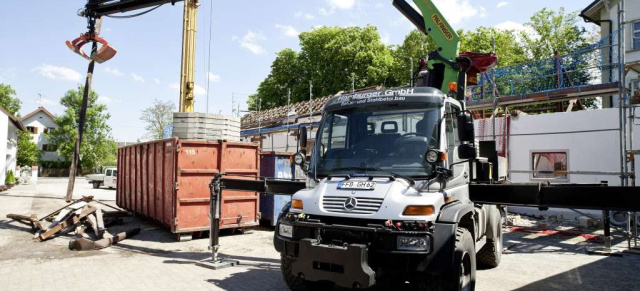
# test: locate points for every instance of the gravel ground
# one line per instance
(153, 260)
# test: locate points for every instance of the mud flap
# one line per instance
(346, 266)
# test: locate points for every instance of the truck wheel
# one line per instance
(295, 283)
(490, 254)
(463, 276)
(96, 185)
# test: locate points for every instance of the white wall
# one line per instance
(12, 149)
(4, 128)
(591, 139)
(42, 121)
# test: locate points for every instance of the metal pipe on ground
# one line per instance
(83, 244)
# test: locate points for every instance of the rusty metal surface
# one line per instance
(168, 181)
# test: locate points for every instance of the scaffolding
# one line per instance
(596, 70)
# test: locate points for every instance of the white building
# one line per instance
(9, 126)
(604, 13)
(38, 123)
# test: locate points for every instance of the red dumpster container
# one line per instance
(168, 181)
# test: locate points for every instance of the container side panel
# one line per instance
(143, 181)
(138, 178)
(169, 185)
(129, 178)
(118, 188)
(240, 208)
(159, 182)
(151, 178)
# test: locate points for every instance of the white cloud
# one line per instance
(199, 90)
(174, 86)
(517, 27)
(385, 37)
(298, 14)
(58, 73)
(483, 11)
(137, 78)
(112, 71)
(157, 81)
(107, 100)
(287, 30)
(342, 4)
(324, 12)
(213, 77)
(502, 4)
(250, 42)
(8, 73)
(456, 11)
(309, 16)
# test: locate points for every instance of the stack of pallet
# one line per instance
(202, 126)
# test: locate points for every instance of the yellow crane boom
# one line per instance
(187, 72)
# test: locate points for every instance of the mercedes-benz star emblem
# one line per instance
(350, 203)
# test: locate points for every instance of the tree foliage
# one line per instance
(28, 152)
(98, 147)
(507, 47)
(156, 117)
(7, 99)
(554, 31)
(329, 57)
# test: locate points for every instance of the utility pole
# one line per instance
(94, 27)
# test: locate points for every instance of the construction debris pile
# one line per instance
(85, 219)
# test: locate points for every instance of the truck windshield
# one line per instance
(390, 140)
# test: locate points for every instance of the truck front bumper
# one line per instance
(346, 266)
(351, 264)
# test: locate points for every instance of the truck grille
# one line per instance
(362, 205)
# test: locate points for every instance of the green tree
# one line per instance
(329, 57)
(507, 47)
(416, 45)
(7, 99)
(554, 31)
(98, 147)
(156, 117)
(28, 152)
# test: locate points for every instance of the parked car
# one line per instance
(107, 178)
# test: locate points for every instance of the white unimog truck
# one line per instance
(387, 197)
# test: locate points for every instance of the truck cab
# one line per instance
(107, 178)
(387, 197)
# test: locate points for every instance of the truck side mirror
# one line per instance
(467, 152)
(465, 127)
(302, 137)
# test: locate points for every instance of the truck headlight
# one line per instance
(286, 230)
(414, 243)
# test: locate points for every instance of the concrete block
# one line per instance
(588, 222)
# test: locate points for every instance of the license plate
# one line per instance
(286, 230)
(357, 185)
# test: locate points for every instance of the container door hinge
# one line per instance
(175, 221)
(177, 185)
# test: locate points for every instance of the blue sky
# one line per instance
(245, 37)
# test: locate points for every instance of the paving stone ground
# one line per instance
(154, 260)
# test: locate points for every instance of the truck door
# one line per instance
(459, 179)
(109, 178)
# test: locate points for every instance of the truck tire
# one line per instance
(463, 276)
(296, 283)
(491, 253)
(96, 185)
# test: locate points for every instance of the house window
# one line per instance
(636, 35)
(550, 165)
(32, 129)
(48, 148)
(48, 129)
(635, 85)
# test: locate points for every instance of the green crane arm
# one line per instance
(431, 22)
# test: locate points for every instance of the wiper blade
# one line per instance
(395, 175)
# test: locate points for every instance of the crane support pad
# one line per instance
(266, 185)
(578, 196)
